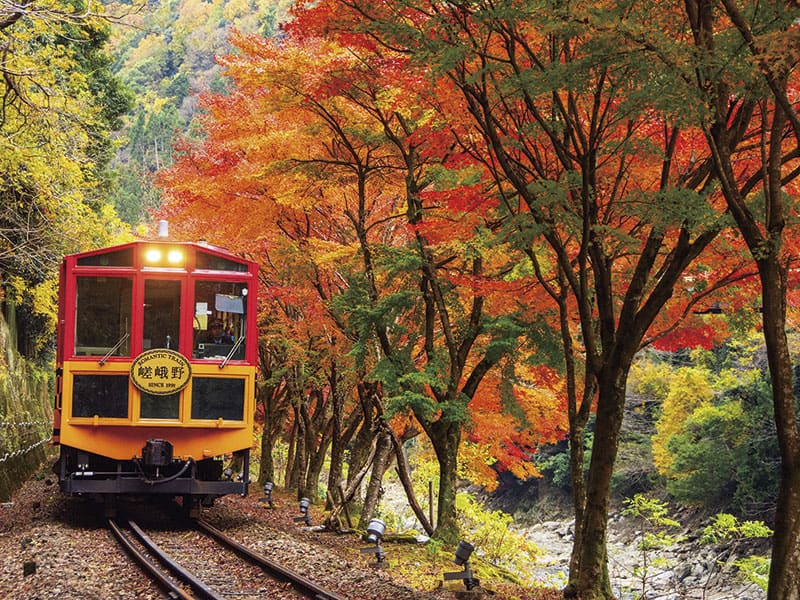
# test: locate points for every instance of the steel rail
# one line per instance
(174, 592)
(300, 582)
(198, 586)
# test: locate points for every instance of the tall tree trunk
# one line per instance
(446, 437)
(275, 410)
(593, 582)
(784, 576)
(362, 445)
(298, 466)
(316, 462)
(403, 472)
(337, 444)
(341, 441)
(266, 469)
(289, 476)
(577, 478)
(375, 488)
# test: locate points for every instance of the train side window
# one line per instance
(160, 406)
(103, 316)
(214, 398)
(101, 395)
(220, 309)
(162, 314)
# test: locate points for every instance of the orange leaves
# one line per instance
(510, 422)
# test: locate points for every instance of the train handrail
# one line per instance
(121, 341)
(232, 352)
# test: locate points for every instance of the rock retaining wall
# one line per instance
(26, 414)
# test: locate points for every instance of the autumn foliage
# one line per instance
(314, 145)
(493, 209)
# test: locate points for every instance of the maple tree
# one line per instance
(608, 191)
(333, 152)
(302, 238)
(752, 130)
(537, 133)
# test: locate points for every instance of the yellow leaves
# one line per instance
(475, 462)
(690, 389)
(152, 46)
(45, 301)
(331, 254)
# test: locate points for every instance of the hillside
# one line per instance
(165, 54)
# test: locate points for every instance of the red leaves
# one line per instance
(700, 336)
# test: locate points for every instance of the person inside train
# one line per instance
(217, 333)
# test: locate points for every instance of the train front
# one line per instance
(156, 372)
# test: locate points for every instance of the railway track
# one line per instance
(173, 560)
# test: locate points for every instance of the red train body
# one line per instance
(150, 397)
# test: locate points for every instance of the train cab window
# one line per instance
(220, 309)
(212, 262)
(103, 316)
(101, 395)
(215, 398)
(162, 314)
(160, 406)
(120, 258)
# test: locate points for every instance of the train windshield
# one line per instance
(162, 314)
(103, 316)
(219, 324)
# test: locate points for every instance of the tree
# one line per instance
(602, 189)
(753, 132)
(60, 103)
(345, 176)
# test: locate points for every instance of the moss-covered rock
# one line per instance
(26, 414)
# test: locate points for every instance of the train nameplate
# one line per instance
(161, 371)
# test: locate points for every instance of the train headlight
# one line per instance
(175, 257)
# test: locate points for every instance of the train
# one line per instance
(155, 372)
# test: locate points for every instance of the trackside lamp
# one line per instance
(463, 552)
(305, 503)
(268, 494)
(375, 531)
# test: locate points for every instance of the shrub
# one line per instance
(705, 453)
(489, 531)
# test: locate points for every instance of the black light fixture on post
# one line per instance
(268, 494)
(375, 531)
(463, 552)
(305, 503)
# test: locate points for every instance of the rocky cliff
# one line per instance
(26, 409)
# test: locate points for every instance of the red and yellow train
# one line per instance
(155, 380)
